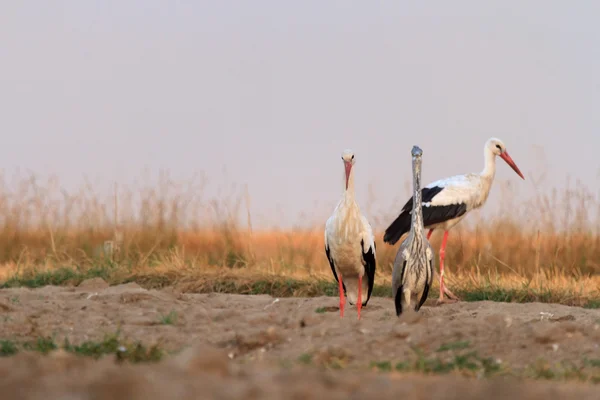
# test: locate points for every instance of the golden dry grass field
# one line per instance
(169, 232)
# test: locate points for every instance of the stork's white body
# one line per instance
(472, 190)
(345, 230)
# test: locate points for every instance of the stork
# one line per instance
(447, 201)
(350, 244)
(413, 267)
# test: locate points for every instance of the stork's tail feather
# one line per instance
(400, 226)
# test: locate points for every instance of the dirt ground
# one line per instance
(237, 346)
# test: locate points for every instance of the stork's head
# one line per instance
(498, 148)
(348, 158)
(416, 152)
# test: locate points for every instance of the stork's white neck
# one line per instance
(349, 192)
(487, 177)
(489, 170)
(347, 211)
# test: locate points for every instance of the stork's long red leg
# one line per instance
(342, 297)
(359, 304)
(429, 234)
(443, 288)
(442, 256)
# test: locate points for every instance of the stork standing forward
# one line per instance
(413, 266)
(447, 201)
(350, 245)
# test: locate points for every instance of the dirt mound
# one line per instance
(93, 284)
(205, 372)
(261, 347)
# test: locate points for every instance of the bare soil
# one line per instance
(238, 346)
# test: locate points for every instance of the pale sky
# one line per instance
(273, 91)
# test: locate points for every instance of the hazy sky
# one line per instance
(273, 91)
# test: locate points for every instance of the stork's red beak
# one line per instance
(511, 163)
(348, 166)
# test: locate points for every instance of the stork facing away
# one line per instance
(413, 267)
(447, 201)
(350, 245)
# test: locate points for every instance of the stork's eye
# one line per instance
(498, 147)
(353, 156)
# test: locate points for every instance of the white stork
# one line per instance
(350, 245)
(447, 201)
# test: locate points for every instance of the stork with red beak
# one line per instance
(350, 245)
(447, 201)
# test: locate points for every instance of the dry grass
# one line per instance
(548, 249)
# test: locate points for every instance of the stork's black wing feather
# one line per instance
(401, 224)
(398, 300)
(426, 289)
(431, 215)
(332, 267)
(398, 297)
(423, 296)
(369, 260)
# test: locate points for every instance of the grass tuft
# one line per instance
(110, 345)
(383, 366)
(42, 345)
(469, 363)
(7, 348)
(454, 346)
(169, 319)
(248, 281)
(305, 358)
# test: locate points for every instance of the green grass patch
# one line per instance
(277, 286)
(524, 295)
(169, 319)
(562, 371)
(42, 345)
(33, 278)
(110, 345)
(469, 363)
(305, 358)
(594, 303)
(274, 285)
(506, 295)
(454, 346)
(7, 348)
(383, 366)
(593, 363)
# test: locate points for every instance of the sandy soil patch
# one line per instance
(250, 346)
